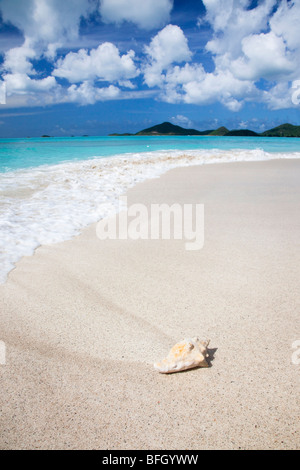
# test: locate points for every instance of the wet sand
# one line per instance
(84, 320)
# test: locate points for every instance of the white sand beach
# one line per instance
(83, 322)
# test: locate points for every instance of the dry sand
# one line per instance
(84, 320)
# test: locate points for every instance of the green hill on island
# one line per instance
(221, 131)
(166, 128)
(285, 130)
(242, 133)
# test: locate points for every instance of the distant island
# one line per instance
(166, 128)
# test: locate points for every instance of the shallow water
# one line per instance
(25, 153)
(50, 189)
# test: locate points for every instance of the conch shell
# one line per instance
(186, 354)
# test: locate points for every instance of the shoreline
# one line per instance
(84, 320)
(74, 186)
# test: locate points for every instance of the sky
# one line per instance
(94, 67)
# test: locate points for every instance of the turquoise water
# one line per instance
(28, 153)
(51, 188)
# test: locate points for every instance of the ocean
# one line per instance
(51, 188)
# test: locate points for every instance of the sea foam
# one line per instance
(53, 203)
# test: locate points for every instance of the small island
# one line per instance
(168, 129)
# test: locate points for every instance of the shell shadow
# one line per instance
(211, 355)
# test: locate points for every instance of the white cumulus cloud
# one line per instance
(147, 14)
(46, 24)
(248, 41)
(189, 83)
(87, 93)
(18, 59)
(168, 46)
(103, 63)
(285, 23)
(279, 96)
(231, 21)
(221, 86)
(265, 56)
(24, 91)
(255, 43)
(21, 90)
(21, 83)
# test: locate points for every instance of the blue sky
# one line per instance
(99, 66)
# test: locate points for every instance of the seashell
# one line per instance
(186, 354)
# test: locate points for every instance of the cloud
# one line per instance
(127, 84)
(221, 86)
(255, 43)
(46, 24)
(87, 93)
(231, 21)
(17, 59)
(249, 41)
(278, 97)
(189, 83)
(21, 83)
(24, 91)
(243, 125)
(265, 56)
(185, 74)
(21, 90)
(247, 44)
(104, 63)
(181, 120)
(148, 14)
(285, 23)
(168, 46)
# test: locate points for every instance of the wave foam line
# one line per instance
(51, 204)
